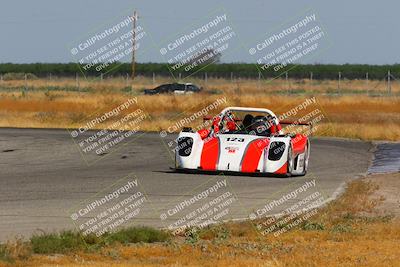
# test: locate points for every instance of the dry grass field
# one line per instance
(353, 111)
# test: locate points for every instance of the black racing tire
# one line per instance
(290, 162)
(306, 159)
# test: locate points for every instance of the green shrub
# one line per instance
(69, 241)
(313, 226)
(137, 234)
(192, 235)
(63, 242)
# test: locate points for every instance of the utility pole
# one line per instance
(77, 81)
(133, 44)
(388, 84)
(339, 78)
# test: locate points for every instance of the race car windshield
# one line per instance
(246, 122)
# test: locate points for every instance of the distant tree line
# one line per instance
(317, 71)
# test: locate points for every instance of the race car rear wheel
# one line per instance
(306, 157)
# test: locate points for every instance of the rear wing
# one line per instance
(296, 123)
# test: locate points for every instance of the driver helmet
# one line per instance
(260, 125)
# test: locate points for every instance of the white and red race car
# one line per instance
(243, 140)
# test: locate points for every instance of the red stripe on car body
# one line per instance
(283, 169)
(210, 154)
(253, 154)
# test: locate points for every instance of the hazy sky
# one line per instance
(42, 30)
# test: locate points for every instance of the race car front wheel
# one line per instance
(290, 162)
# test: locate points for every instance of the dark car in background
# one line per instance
(174, 88)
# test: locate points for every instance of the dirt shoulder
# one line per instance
(388, 192)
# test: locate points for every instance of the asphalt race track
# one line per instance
(44, 179)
